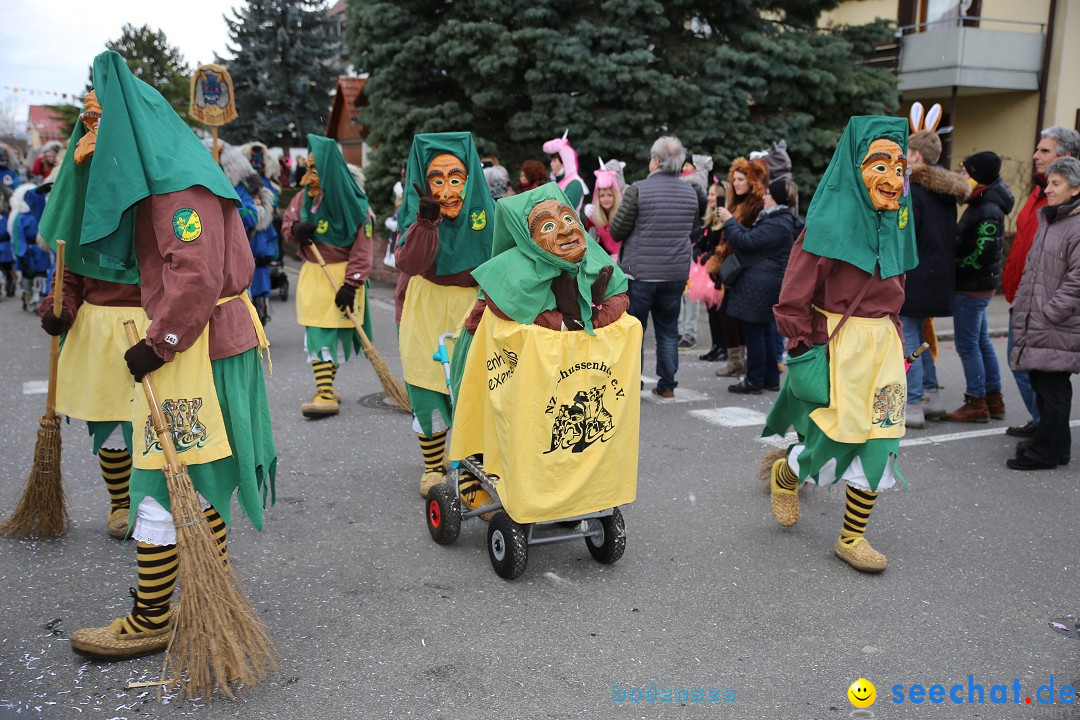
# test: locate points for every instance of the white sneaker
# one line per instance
(933, 405)
(915, 418)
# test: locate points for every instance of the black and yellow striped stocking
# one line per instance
(433, 447)
(116, 470)
(219, 530)
(786, 479)
(157, 578)
(324, 379)
(857, 513)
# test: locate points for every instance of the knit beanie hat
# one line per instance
(779, 191)
(983, 167)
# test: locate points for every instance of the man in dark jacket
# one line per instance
(935, 193)
(978, 272)
(654, 223)
(1054, 142)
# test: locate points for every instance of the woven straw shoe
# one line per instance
(430, 479)
(785, 503)
(320, 407)
(118, 522)
(861, 556)
(108, 642)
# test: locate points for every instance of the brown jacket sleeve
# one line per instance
(611, 310)
(192, 275)
(291, 216)
(417, 255)
(801, 281)
(359, 267)
(73, 294)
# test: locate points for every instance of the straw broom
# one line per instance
(41, 511)
(394, 388)
(218, 639)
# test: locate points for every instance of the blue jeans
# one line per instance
(761, 367)
(922, 375)
(662, 299)
(1023, 380)
(977, 355)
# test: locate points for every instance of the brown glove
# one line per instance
(600, 285)
(565, 290)
(56, 326)
(142, 360)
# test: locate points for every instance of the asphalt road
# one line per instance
(374, 620)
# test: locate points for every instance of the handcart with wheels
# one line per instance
(573, 427)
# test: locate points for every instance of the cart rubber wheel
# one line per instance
(508, 547)
(443, 514)
(283, 291)
(610, 545)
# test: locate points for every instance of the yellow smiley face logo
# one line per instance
(902, 218)
(862, 693)
(322, 227)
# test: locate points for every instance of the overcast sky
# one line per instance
(52, 49)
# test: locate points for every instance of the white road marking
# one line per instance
(681, 396)
(35, 387)
(730, 416)
(935, 439)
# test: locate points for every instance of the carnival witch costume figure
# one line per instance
(845, 392)
(170, 221)
(333, 211)
(445, 220)
(94, 382)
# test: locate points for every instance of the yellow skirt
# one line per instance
(187, 393)
(868, 385)
(429, 311)
(315, 297)
(93, 382)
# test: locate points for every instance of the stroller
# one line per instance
(279, 280)
(508, 541)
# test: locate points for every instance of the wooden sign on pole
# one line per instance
(213, 101)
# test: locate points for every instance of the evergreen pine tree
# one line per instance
(155, 62)
(726, 77)
(284, 68)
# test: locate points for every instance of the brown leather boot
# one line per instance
(974, 410)
(996, 405)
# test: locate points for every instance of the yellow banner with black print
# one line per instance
(555, 414)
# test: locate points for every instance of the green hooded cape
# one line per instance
(842, 222)
(465, 241)
(518, 276)
(143, 149)
(343, 205)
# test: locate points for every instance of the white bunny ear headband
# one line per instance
(921, 119)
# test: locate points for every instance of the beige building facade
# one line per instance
(1001, 70)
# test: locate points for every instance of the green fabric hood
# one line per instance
(842, 222)
(518, 276)
(143, 148)
(343, 207)
(465, 241)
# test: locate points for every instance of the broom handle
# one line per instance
(160, 426)
(348, 311)
(54, 346)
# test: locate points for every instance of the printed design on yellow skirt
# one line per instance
(187, 225)
(501, 366)
(889, 404)
(584, 421)
(182, 416)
